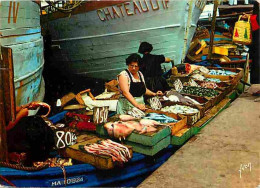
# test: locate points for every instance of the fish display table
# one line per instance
(147, 143)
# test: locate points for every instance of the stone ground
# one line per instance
(226, 153)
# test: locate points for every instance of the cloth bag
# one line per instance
(242, 32)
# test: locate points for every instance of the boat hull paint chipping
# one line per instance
(95, 43)
(20, 30)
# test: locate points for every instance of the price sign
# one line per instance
(64, 139)
(100, 114)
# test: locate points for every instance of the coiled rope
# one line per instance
(18, 167)
(68, 7)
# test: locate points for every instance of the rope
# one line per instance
(66, 9)
(18, 167)
(7, 181)
(64, 174)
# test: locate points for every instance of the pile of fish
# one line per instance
(117, 151)
(155, 103)
(180, 109)
(212, 80)
(221, 72)
(210, 85)
(193, 100)
(199, 91)
(121, 129)
(176, 97)
(160, 118)
(135, 112)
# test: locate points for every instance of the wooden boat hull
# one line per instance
(20, 30)
(95, 40)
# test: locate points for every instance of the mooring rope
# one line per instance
(7, 181)
(18, 167)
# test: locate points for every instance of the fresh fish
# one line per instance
(174, 98)
(134, 124)
(135, 112)
(148, 122)
(118, 129)
(193, 100)
(148, 129)
(160, 118)
(180, 109)
(124, 117)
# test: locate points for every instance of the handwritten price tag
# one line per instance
(64, 139)
(100, 114)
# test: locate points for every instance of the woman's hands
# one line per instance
(159, 93)
(141, 107)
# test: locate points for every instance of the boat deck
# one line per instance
(224, 154)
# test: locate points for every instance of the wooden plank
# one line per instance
(212, 113)
(8, 84)
(213, 29)
(3, 143)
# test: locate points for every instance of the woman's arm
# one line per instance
(123, 84)
(150, 93)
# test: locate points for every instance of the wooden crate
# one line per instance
(148, 143)
(150, 150)
(176, 126)
(191, 118)
(147, 139)
(99, 161)
(215, 100)
(212, 113)
(180, 140)
(206, 103)
(233, 79)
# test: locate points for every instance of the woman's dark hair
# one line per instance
(145, 47)
(133, 58)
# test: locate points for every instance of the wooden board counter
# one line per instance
(99, 161)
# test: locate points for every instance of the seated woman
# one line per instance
(132, 87)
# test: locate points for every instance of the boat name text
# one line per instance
(69, 181)
(131, 8)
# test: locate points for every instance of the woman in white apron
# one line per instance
(132, 87)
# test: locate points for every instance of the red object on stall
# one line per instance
(255, 26)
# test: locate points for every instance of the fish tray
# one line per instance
(150, 150)
(146, 139)
(180, 140)
(215, 100)
(206, 103)
(99, 161)
(175, 126)
(233, 79)
(192, 117)
(183, 78)
(222, 86)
